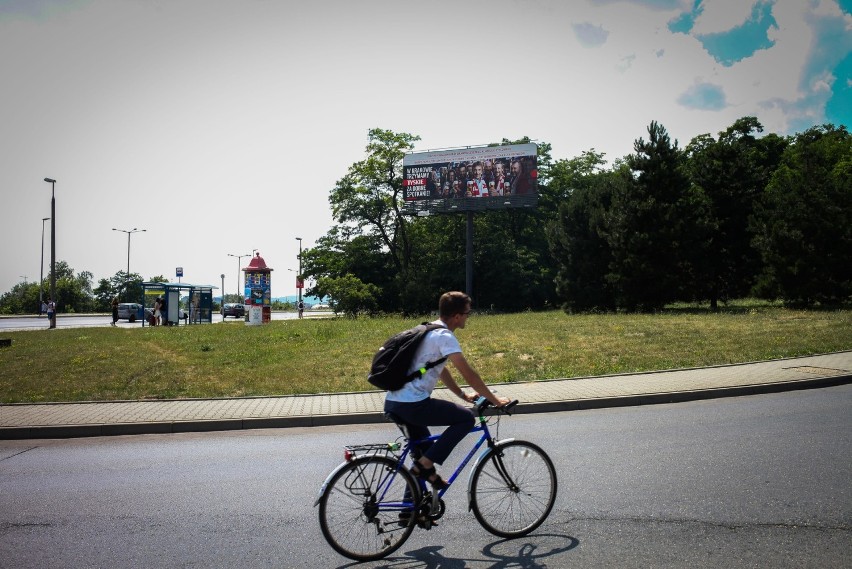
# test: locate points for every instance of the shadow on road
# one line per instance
(528, 552)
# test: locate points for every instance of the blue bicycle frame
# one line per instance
(385, 484)
(436, 496)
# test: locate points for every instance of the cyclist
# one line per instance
(413, 404)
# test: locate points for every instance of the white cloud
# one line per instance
(722, 15)
(590, 35)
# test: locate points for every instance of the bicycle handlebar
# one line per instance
(482, 404)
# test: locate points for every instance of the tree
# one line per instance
(656, 227)
(73, 293)
(127, 288)
(803, 223)
(732, 173)
(22, 299)
(344, 251)
(370, 195)
(349, 295)
(577, 237)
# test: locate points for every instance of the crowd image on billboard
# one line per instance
(482, 177)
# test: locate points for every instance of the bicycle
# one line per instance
(370, 504)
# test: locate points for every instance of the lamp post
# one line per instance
(41, 269)
(52, 249)
(299, 278)
(238, 271)
(129, 233)
(222, 304)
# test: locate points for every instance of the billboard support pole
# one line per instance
(468, 277)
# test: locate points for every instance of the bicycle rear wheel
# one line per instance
(362, 512)
(513, 488)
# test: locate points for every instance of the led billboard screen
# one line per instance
(492, 177)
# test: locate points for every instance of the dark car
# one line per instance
(235, 310)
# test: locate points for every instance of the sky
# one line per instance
(220, 126)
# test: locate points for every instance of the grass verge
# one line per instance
(333, 355)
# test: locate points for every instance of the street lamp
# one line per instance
(238, 271)
(52, 249)
(299, 278)
(222, 304)
(129, 233)
(41, 269)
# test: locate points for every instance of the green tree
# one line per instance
(22, 299)
(656, 227)
(349, 295)
(803, 223)
(732, 172)
(104, 293)
(126, 288)
(370, 195)
(73, 293)
(577, 236)
(345, 251)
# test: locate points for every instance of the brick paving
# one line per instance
(57, 420)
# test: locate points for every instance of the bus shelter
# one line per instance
(199, 302)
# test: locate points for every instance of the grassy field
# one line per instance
(333, 355)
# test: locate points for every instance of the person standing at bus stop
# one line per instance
(114, 310)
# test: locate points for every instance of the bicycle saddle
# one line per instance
(403, 426)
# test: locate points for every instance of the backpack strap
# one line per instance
(426, 367)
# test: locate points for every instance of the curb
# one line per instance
(201, 426)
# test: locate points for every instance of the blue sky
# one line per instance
(220, 126)
(830, 54)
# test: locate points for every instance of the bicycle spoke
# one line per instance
(360, 511)
(514, 489)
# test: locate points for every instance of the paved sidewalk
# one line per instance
(59, 420)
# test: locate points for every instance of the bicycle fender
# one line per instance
(328, 478)
(485, 454)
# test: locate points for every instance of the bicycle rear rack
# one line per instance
(388, 449)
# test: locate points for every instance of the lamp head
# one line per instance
(50, 181)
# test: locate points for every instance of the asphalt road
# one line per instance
(759, 481)
(16, 323)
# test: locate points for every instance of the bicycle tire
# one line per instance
(352, 517)
(508, 511)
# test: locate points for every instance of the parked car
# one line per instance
(235, 310)
(131, 311)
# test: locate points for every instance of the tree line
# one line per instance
(739, 214)
(75, 293)
(726, 217)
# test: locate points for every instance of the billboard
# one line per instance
(470, 178)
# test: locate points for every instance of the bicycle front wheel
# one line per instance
(513, 488)
(367, 510)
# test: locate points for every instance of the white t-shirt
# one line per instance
(437, 344)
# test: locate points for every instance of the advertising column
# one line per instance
(258, 291)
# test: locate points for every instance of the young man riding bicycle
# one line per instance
(413, 404)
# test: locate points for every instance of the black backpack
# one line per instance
(393, 360)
